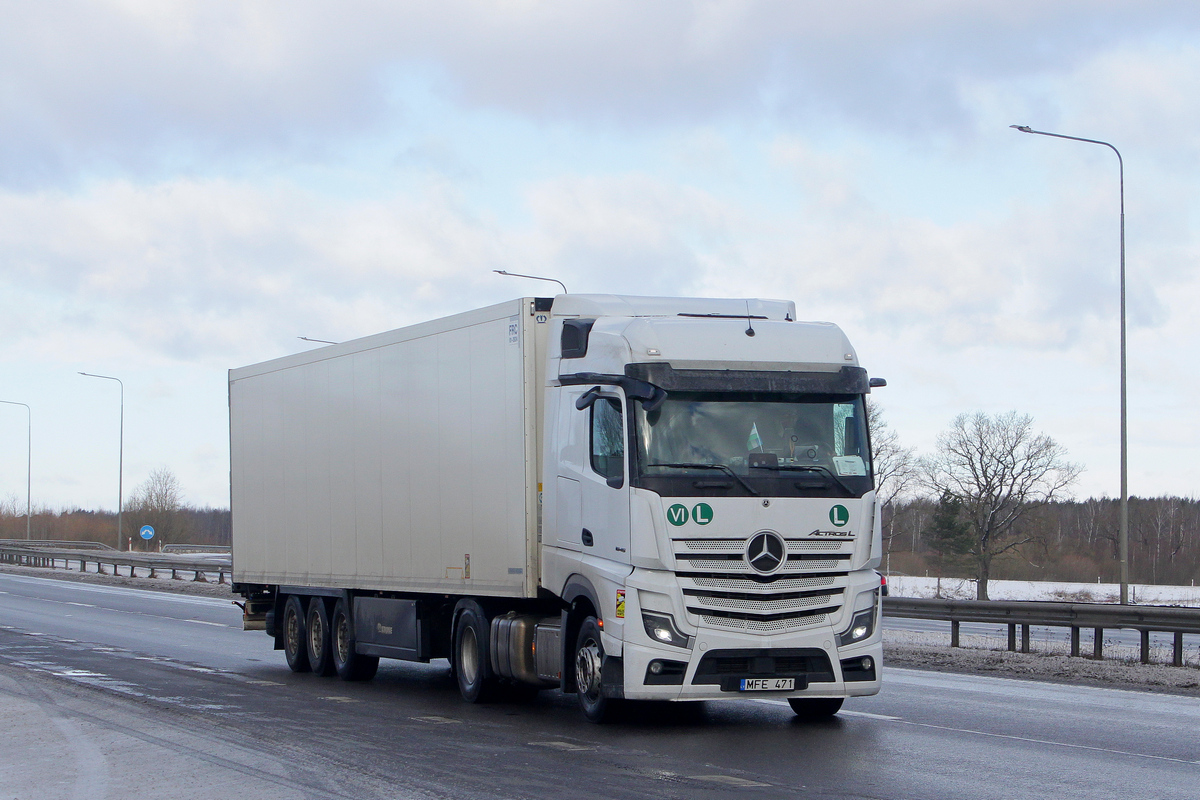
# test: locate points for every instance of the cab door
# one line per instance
(604, 481)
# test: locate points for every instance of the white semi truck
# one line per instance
(625, 498)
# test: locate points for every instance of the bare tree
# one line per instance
(158, 502)
(1001, 470)
(894, 465)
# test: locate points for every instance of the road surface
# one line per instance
(108, 692)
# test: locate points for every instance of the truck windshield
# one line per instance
(756, 443)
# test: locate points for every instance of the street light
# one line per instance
(1123, 541)
(120, 457)
(28, 459)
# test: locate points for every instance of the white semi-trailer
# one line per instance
(626, 498)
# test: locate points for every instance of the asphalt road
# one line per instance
(113, 693)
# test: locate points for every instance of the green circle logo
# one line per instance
(702, 513)
(677, 515)
(839, 516)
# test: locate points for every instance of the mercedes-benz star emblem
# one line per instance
(766, 552)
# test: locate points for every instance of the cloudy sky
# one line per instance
(187, 187)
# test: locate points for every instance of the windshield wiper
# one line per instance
(721, 467)
(810, 468)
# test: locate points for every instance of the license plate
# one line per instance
(768, 684)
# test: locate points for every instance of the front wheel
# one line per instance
(589, 664)
(815, 708)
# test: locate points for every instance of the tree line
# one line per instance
(158, 502)
(992, 501)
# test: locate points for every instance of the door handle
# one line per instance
(587, 538)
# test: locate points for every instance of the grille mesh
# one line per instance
(794, 603)
(779, 584)
(764, 625)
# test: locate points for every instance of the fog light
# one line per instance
(867, 663)
(655, 667)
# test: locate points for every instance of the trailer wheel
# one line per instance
(815, 708)
(350, 665)
(472, 662)
(320, 659)
(294, 635)
(589, 661)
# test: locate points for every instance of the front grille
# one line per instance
(723, 590)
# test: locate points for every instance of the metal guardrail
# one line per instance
(196, 548)
(155, 562)
(1025, 613)
(55, 544)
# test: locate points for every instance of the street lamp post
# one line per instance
(1123, 541)
(28, 460)
(120, 457)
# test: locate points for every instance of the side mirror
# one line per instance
(587, 398)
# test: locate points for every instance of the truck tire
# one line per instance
(815, 708)
(350, 665)
(318, 639)
(472, 661)
(588, 664)
(295, 650)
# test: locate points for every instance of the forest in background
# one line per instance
(1069, 540)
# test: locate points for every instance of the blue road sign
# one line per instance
(147, 532)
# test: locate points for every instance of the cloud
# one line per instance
(147, 88)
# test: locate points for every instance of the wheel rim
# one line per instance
(342, 635)
(292, 628)
(587, 669)
(469, 656)
(316, 632)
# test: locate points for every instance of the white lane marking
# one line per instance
(83, 605)
(728, 780)
(867, 715)
(335, 699)
(1031, 740)
(256, 682)
(841, 713)
(437, 720)
(569, 747)
(206, 622)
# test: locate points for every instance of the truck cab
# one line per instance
(708, 505)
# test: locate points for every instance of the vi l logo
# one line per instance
(839, 516)
(678, 515)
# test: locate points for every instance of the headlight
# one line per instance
(661, 628)
(862, 625)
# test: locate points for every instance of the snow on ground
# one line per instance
(960, 589)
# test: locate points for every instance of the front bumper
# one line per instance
(718, 661)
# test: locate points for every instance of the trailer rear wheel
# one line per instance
(472, 663)
(320, 659)
(815, 708)
(294, 635)
(350, 665)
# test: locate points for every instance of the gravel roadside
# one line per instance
(901, 648)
